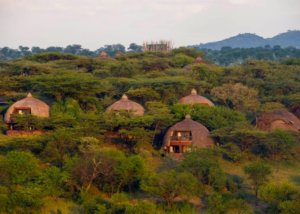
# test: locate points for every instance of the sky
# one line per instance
(95, 23)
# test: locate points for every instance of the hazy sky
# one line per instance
(94, 23)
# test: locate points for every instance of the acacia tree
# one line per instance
(130, 171)
(237, 95)
(279, 144)
(218, 204)
(162, 117)
(61, 145)
(205, 168)
(19, 187)
(170, 185)
(258, 172)
(143, 94)
(29, 122)
(135, 47)
(65, 82)
(107, 169)
(212, 118)
(277, 193)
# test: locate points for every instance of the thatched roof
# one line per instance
(124, 104)
(119, 54)
(199, 60)
(278, 119)
(194, 98)
(37, 107)
(103, 55)
(200, 134)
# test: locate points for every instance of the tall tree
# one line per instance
(258, 172)
(170, 185)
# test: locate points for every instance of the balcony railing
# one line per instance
(181, 138)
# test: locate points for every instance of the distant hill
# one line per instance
(249, 40)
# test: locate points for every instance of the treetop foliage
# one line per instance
(101, 162)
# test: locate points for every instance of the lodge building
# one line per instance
(185, 135)
(25, 106)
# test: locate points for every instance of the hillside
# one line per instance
(99, 151)
(248, 40)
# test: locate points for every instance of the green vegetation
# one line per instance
(90, 161)
(230, 56)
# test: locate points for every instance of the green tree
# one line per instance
(208, 73)
(170, 185)
(19, 186)
(205, 168)
(18, 168)
(180, 60)
(290, 207)
(86, 84)
(279, 144)
(143, 94)
(134, 47)
(142, 207)
(220, 204)
(29, 122)
(130, 171)
(258, 172)
(212, 118)
(245, 136)
(277, 193)
(60, 146)
(162, 118)
(237, 95)
(108, 169)
(53, 180)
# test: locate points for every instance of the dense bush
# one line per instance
(90, 161)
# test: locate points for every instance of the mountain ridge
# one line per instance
(290, 38)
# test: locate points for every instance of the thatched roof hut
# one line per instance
(199, 60)
(185, 134)
(124, 104)
(278, 119)
(119, 54)
(103, 55)
(28, 105)
(194, 98)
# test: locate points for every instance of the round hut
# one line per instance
(278, 119)
(199, 60)
(119, 54)
(28, 105)
(103, 55)
(186, 134)
(194, 98)
(124, 104)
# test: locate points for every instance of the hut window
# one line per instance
(22, 111)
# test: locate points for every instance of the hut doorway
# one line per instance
(180, 142)
(176, 149)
